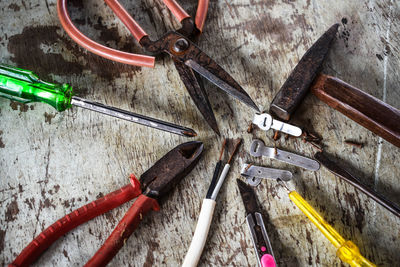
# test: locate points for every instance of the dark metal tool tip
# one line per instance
(171, 168)
(242, 185)
(190, 133)
(345, 175)
(214, 126)
(191, 149)
(297, 84)
(195, 88)
(251, 103)
(248, 197)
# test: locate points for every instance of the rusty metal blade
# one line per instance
(248, 197)
(197, 92)
(210, 70)
(297, 84)
(170, 169)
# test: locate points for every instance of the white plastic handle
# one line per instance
(220, 181)
(200, 234)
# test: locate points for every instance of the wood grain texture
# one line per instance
(52, 163)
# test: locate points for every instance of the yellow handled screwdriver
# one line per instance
(347, 251)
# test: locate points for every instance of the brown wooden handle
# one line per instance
(370, 112)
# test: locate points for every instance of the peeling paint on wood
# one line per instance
(52, 163)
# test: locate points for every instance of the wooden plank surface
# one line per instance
(52, 163)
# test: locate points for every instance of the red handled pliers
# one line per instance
(154, 184)
(178, 44)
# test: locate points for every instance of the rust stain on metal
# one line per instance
(297, 84)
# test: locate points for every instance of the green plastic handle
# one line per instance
(25, 86)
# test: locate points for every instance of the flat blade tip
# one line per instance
(248, 101)
(333, 30)
(254, 106)
(212, 122)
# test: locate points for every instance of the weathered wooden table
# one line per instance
(52, 163)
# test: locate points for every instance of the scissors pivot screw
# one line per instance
(181, 45)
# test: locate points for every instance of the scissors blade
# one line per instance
(182, 49)
(210, 70)
(197, 92)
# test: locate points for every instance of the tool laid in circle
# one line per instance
(344, 174)
(188, 58)
(258, 149)
(347, 251)
(265, 122)
(254, 174)
(207, 211)
(297, 84)
(368, 111)
(26, 87)
(255, 222)
(154, 184)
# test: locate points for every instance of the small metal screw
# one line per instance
(181, 45)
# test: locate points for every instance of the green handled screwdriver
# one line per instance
(25, 86)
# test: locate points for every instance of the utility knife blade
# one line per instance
(255, 222)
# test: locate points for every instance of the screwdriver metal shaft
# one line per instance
(132, 117)
(25, 86)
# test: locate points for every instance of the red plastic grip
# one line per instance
(201, 14)
(79, 216)
(126, 19)
(176, 9)
(123, 230)
(98, 49)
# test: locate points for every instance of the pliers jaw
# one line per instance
(170, 169)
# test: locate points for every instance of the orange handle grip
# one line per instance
(123, 230)
(176, 9)
(126, 19)
(201, 14)
(98, 49)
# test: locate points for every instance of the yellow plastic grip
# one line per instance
(347, 251)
